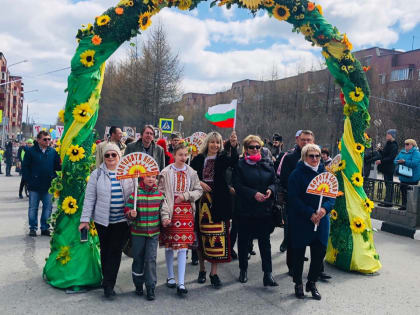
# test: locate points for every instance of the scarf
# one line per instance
(314, 168)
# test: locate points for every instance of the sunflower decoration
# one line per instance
(96, 40)
(251, 4)
(92, 229)
(341, 165)
(75, 153)
(334, 214)
(58, 146)
(332, 255)
(82, 113)
(357, 179)
(349, 109)
(69, 205)
(103, 20)
(357, 225)
(359, 148)
(357, 95)
(281, 12)
(87, 58)
(184, 4)
(64, 255)
(127, 3)
(368, 205)
(93, 149)
(306, 30)
(61, 115)
(268, 3)
(145, 20)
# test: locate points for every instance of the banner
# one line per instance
(59, 131)
(36, 130)
(130, 131)
(137, 164)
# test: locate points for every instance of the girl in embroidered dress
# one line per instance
(181, 187)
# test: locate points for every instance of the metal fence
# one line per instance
(376, 190)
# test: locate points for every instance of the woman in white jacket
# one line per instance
(105, 198)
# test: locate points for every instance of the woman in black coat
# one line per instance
(215, 206)
(254, 180)
(303, 215)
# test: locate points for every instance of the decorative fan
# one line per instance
(137, 164)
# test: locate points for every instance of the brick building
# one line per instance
(11, 100)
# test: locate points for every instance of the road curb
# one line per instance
(395, 229)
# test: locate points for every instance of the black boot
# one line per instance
(215, 281)
(109, 293)
(243, 277)
(268, 280)
(139, 290)
(201, 277)
(181, 290)
(310, 286)
(150, 293)
(299, 291)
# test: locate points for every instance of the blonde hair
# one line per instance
(307, 148)
(249, 139)
(411, 141)
(214, 135)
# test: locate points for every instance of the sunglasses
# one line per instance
(108, 155)
(314, 156)
(254, 147)
(46, 139)
(407, 143)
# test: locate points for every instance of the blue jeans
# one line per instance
(34, 198)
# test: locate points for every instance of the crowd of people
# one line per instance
(205, 202)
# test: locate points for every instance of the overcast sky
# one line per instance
(216, 46)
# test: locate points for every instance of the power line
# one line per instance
(395, 102)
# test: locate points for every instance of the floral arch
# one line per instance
(72, 264)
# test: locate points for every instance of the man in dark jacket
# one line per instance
(8, 156)
(40, 164)
(147, 145)
(386, 165)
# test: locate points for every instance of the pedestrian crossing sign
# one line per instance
(166, 125)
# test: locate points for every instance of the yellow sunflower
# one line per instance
(332, 255)
(251, 4)
(127, 3)
(281, 12)
(368, 205)
(87, 58)
(61, 115)
(92, 229)
(58, 146)
(359, 148)
(349, 109)
(93, 149)
(69, 205)
(269, 3)
(63, 255)
(357, 95)
(306, 30)
(144, 20)
(75, 153)
(82, 112)
(341, 165)
(103, 20)
(357, 179)
(184, 4)
(357, 225)
(334, 214)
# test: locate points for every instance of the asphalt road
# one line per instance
(394, 290)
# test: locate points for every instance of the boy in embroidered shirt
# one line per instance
(145, 229)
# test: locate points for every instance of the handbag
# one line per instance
(405, 171)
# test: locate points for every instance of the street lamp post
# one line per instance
(180, 120)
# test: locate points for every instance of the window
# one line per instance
(382, 78)
(402, 74)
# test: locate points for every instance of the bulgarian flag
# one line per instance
(223, 115)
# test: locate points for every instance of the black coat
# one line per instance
(222, 201)
(248, 180)
(289, 164)
(388, 155)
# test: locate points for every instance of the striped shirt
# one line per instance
(116, 213)
(147, 222)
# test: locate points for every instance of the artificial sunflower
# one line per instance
(349, 109)
(281, 12)
(357, 225)
(368, 205)
(93, 149)
(346, 42)
(64, 255)
(333, 255)
(119, 11)
(96, 40)
(145, 20)
(127, 3)
(359, 148)
(103, 20)
(92, 229)
(341, 165)
(269, 3)
(251, 4)
(357, 179)
(75, 153)
(69, 205)
(357, 95)
(306, 30)
(87, 28)
(87, 58)
(334, 214)
(61, 115)
(311, 6)
(184, 4)
(58, 146)
(82, 113)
